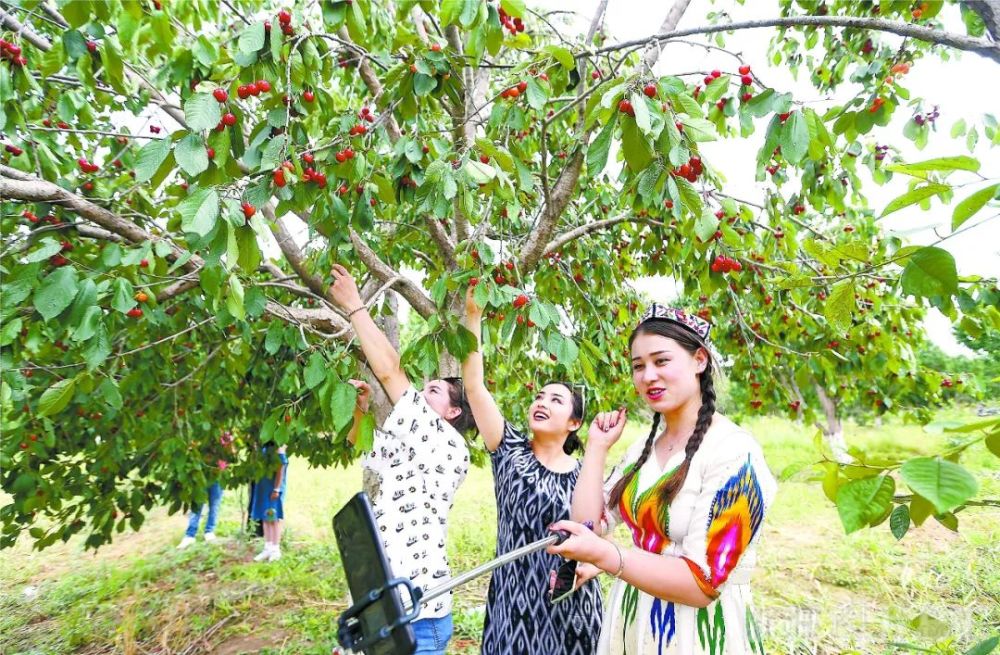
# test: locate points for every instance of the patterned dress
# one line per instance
(520, 619)
(713, 524)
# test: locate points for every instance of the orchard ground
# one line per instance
(818, 590)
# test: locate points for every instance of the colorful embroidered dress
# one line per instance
(714, 524)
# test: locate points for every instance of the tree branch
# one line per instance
(34, 190)
(292, 253)
(560, 196)
(982, 47)
(374, 85)
(669, 23)
(413, 294)
(577, 232)
(29, 35)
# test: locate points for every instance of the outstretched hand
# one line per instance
(472, 309)
(364, 395)
(344, 290)
(583, 545)
(607, 428)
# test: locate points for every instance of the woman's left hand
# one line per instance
(583, 545)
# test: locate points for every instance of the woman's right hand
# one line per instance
(472, 309)
(607, 428)
(344, 290)
(364, 395)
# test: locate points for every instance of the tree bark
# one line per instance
(833, 431)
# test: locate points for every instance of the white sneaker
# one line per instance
(185, 542)
(275, 555)
(263, 555)
(210, 537)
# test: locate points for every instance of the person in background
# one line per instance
(268, 507)
(194, 518)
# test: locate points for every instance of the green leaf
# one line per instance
(365, 437)
(88, 324)
(985, 647)
(968, 207)
(537, 95)
(960, 163)
(597, 152)
(74, 44)
(98, 348)
(423, 84)
(56, 397)
(56, 292)
(514, 8)
(479, 172)
(234, 299)
(562, 55)
(149, 159)
(123, 298)
(635, 146)
(930, 272)
(840, 305)
(945, 484)
(273, 153)
(199, 211)
(769, 102)
(899, 521)
(864, 502)
(109, 389)
(49, 247)
(202, 112)
(252, 38)
(315, 371)
(191, 155)
(342, 404)
(914, 196)
(794, 138)
(641, 112)
(993, 443)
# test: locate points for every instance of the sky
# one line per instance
(959, 87)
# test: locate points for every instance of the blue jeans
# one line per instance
(432, 635)
(214, 500)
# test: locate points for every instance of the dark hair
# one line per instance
(572, 443)
(465, 422)
(691, 343)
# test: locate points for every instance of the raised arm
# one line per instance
(360, 408)
(489, 420)
(382, 357)
(588, 495)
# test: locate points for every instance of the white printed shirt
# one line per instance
(417, 462)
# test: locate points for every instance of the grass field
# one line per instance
(817, 590)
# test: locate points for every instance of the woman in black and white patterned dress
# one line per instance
(534, 487)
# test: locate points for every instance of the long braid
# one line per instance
(705, 413)
(615, 496)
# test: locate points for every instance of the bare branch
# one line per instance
(292, 253)
(412, 293)
(673, 17)
(560, 196)
(26, 32)
(374, 86)
(982, 47)
(577, 232)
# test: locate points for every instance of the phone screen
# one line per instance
(563, 581)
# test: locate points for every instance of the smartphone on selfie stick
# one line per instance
(378, 623)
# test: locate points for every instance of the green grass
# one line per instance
(817, 590)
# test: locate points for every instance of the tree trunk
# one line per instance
(833, 431)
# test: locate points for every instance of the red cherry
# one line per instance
(210, 152)
(263, 86)
(229, 119)
(279, 178)
(473, 281)
(595, 75)
(308, 158)
(745, 69)
(135, 312)
(520, 301)
(340, 157)
(284, 17)
(716, 74)
(308, 96)
(348, 153)
(221, 95)
(243, 91)
(484, 159)
(522, 86)
(248, 209)
(649, 90)
(746, 80)
(252, 89)
(92, 46)
(144, 263)
(435, 47)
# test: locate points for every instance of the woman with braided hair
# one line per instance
(693, 495)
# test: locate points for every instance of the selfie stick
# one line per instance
(554, 540)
